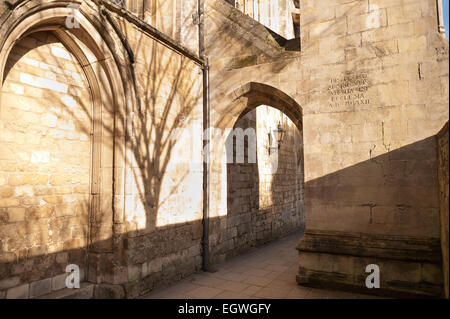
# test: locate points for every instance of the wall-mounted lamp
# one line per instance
(276, 134)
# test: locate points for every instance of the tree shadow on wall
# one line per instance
(168, 94)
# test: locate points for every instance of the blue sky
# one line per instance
(445, 9)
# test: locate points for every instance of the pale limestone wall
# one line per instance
(164, 172)
(442, 140)
(170, 17)
(264, 193)
(274, 14)
(45, 163)
(375, 146)
(370, 162)
(372, 83)
(368, 149)
(153, 234)
(281, 187)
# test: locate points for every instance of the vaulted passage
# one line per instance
(265, 186)
(257, 173)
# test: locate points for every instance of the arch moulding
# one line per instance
(253, 94)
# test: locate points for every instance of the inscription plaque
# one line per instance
(349, 90)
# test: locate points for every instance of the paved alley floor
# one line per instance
(265, 272)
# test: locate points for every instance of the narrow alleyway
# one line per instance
(265, 272)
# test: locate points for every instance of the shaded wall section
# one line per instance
(409, 257)
(442, 143)
(394, 193)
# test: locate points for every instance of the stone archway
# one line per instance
(45, 125)
(101, 59)
(253, 94)
(243, 188)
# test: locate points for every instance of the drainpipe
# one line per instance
(206, 166)
(205, 137)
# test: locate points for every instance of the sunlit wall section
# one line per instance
(174, 18)
(45, 162)
(274, 14)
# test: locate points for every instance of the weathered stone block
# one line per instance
(404, 14)
(41, 287)
(412, 44)
(20, 292)
(155, 265)
(59, 282)
(9, 282)
(326, 260)
(107, 291)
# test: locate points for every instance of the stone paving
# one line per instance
(265, 272)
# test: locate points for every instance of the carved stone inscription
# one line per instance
(349, 90)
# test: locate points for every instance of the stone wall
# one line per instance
(73, 189)
(274, 14)
(371, 81)
(391, 69)
(378, 84)
(161, 225)
(265, 192)
(172, 18)
(281, 188)
(442, 141)
(45, 162)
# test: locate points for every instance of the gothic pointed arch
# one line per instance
(106, 64)
(253, 94)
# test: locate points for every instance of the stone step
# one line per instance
(86, 291)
